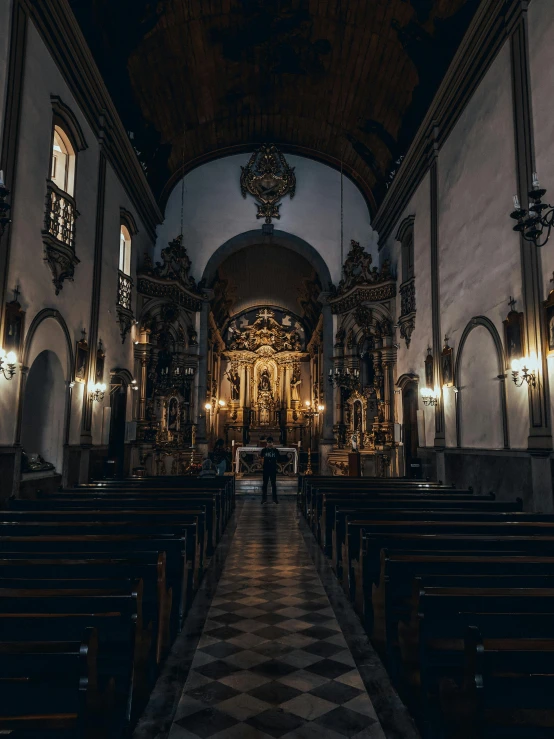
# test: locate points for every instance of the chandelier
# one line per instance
(97, 390)
(345, 378)
(534, 224)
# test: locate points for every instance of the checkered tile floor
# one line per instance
(272, 660)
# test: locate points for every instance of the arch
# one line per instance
(66, 119)
(41, 316)
(278, 238)
(125, 375)
(128, 220)
(487, 324)
(301, 151)
(405, 379)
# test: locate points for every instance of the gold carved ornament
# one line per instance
(268, 178)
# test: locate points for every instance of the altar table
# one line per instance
(248, 460)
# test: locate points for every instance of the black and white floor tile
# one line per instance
(272, 660)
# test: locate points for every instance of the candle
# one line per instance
(536, 184)
(516, 203)
(1, 178)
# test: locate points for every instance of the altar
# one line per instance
(249, 462)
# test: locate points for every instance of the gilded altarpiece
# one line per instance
(364, 362)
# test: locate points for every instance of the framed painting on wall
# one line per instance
(429, 370)
(549, 322)
(81, 361)
(447, 367)
(100, 360)
(513, 336)
(13, 328)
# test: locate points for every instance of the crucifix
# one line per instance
(16, 293)
(265, 314)
(512, 302)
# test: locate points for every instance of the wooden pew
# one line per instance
(114, 547)
(20, 571)
(391, 596)
(190, 528)
(50, 688)
(62, 615)
(347, 521)
(506, 690)
(432, 643)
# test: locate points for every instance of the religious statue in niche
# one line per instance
(295, 382)
(234, 380)
(173, 415)
(265, 381)
(268, 178)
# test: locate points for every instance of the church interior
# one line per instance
(276, 345)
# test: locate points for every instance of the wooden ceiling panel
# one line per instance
(344, 79)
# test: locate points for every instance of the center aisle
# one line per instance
(272, 660)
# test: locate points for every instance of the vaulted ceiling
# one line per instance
(346, 80)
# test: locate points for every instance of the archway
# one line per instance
(44, 409)
(118, 418)
(409, 426)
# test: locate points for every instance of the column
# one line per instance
(540, 432)
(330, 394)
(202, 377)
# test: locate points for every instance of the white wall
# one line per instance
(479, 255)
(215, 211)
(27, 267)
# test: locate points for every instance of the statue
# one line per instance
(34, 463)
(234, 381)
(265, 381)
(354, 442)
(295, 381)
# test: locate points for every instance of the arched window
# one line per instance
(62, 171)
(124, 250)
(408, 256)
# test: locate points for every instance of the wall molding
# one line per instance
(64, 116)
(487, 324)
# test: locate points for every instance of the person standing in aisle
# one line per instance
(270, 456)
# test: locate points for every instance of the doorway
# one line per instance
(118, 417)
(410, 432)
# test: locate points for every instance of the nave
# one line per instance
(272, 660)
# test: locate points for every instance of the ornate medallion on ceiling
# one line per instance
(268, 178)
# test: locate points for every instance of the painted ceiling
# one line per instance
(338, 80)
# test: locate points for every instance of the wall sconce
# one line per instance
(533, 223)
(97, 390)
(429, 396)
(7, 364)
(525, 370)
(4, 207)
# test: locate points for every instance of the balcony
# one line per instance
(124, 304)
(407, 310)
(59, 235)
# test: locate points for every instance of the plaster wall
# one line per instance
(215, 211)
(541, 63)
(27, 267)
(479, 254)
(411, 360)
